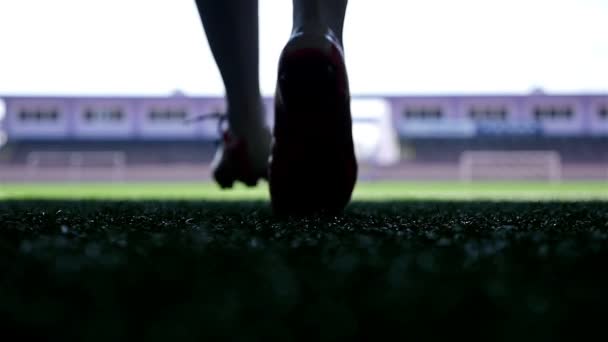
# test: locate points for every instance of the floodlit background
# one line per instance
(450, 93)
(402, 47)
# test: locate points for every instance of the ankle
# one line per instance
(247, 121)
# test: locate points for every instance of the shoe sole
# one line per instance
(313, 166)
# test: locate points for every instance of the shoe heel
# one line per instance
(309, 82)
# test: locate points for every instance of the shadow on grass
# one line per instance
(190, 270)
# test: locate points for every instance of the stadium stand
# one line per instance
(413, 137)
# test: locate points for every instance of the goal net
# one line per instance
(510, 165)
(80, 165)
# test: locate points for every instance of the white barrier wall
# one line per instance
(483, 108)
(167, 118)
(430, 117)
(3, 134)
(103, 118)
(412, 116)
(558, 115)
(598, 116)
(37, 118)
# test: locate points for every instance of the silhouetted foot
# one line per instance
(242, 159)
(313, 166)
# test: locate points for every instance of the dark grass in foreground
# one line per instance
(186, 270)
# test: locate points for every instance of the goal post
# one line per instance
(100, 161)
(510, 165)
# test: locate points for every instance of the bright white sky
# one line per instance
(120, 47)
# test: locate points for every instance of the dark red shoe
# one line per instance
(313, 167)
(238, 159)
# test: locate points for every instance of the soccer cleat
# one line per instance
(239, 159)
(313, 166)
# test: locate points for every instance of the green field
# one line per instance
(365, 191)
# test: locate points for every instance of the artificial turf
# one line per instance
(192, 270)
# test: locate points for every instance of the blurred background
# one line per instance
(100, 91)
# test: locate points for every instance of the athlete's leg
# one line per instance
(231, 27)
(313, 166)
(318, 15)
